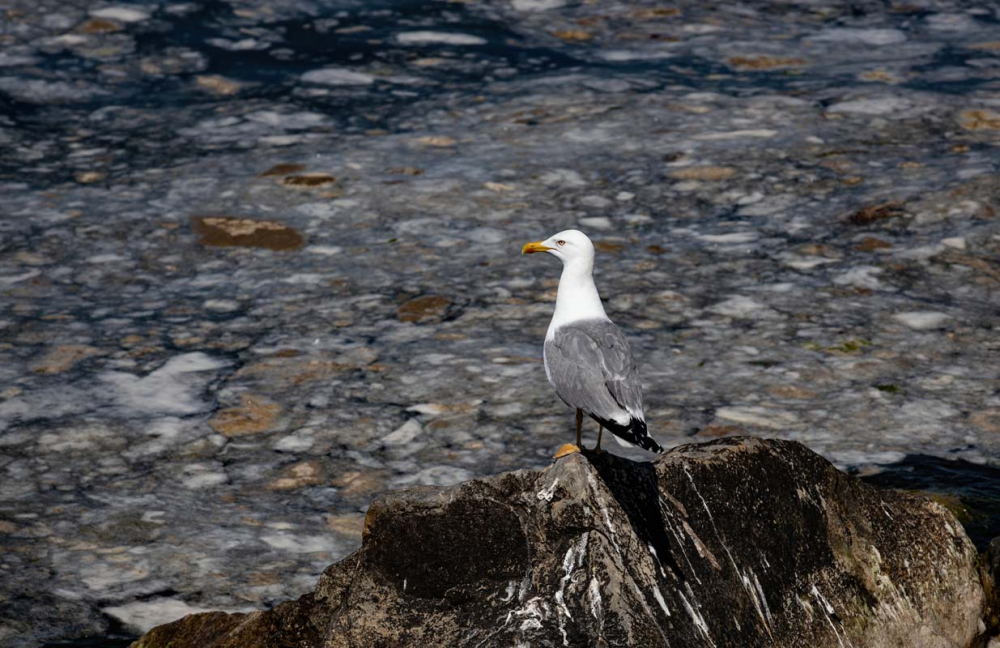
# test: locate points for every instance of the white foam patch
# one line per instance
(404, 434)
(879, 106)
(619, 56)
(335, 76)
(298, 442)
(862, 276)
(953, 22)
(536, 5)
(596, 222)
(740, 306)
(922, 320)
(172, 389)
(731, 238)
(759, 416)
(203, 475)
(435, 476)
(288, 121)
(446, 38)
(325, 250)
(849, 36)
(751, 133)
(122, 14)
(143, 616)
(562, 177)
(221, 305)
(845, 458)
(299, 543)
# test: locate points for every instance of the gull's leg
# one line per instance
(600, 433)
(569, 448)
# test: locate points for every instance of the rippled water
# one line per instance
(795, 207)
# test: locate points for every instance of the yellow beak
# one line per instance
(531, 248)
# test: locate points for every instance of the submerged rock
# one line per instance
(736, 542)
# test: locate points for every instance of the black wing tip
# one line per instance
(636, 434)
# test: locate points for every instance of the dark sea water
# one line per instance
(970, 491)
(99, 642)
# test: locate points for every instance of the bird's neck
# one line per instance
(577, 298)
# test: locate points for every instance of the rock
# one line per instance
(218, 84)
(308, 180)
(90, 177)
(735, 542)
(703, 173)
(989, 566)
(578, 35)
(61, 358)
(437, 141)
(300, 475)
(424, 309)
(874, 213)
(252, 416)
(225, 231)
(98, 26)
(979, 120)
(762, 62)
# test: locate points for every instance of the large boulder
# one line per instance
(739, 542)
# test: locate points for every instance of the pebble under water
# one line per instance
(259, 262)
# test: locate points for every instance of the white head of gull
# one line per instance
(587, 358)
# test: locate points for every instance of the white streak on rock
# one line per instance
(652, 550)
(594, 593)
(696, 617)
(826, 607)
(763, 600)
(572, 559)
(677, 537)
(607, 516)
(659, 599)
(547, 493)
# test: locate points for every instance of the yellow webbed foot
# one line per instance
(566, 449)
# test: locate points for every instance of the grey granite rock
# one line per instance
(737, 542)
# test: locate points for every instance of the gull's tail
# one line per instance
(635, 434)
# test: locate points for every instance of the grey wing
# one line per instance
(620, 373)
(590, 364)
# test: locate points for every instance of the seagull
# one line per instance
(587, 358)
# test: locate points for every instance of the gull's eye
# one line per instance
(560, 243)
